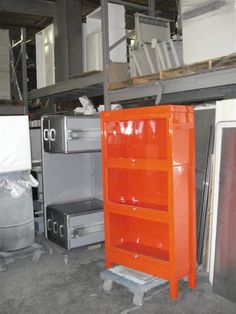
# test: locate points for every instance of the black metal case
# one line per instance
(75, 224)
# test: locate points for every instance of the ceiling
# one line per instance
(165, 8)
(33, 23)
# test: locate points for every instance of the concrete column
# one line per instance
(152, 7)
(74, 33)
(68, 39)
(61, 43)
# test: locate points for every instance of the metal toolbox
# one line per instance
(75, 224)
(71, 134)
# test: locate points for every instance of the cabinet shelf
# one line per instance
(131, 163)
(144, 188)
(160, 214)
(145, 250)
(134, 234)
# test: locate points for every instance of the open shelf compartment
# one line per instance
(138, 139)
(140, 188)
(140, 236)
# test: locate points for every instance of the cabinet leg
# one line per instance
(108, 264)
(174, 289)
(192, 279)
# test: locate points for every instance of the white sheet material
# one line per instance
(211, 34)
(14, 144)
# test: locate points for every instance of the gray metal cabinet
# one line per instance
(72, 179)
(71, 134)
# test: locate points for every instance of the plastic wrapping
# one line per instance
(15, 144)
(16, 211)
(87, 107)
(16, 184)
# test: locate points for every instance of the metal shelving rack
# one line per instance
(151, 9)
(91, 84)
(94, 84)
(209, 85)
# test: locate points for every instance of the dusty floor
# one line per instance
(52, 286)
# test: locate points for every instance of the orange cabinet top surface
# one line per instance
(151, 110)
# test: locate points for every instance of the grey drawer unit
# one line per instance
(71, 134)
(75, 224)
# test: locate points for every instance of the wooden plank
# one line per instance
(118, 85)
(145, 79)
(208, 65)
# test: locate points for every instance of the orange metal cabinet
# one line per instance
(149, 191)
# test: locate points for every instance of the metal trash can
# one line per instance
(16, 211)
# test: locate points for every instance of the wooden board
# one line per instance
(206, 66)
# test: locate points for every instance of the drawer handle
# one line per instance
(92, 133)
(45, 135)
(80, 231)
(53, 135)
(49, 224)
(61, 231)
(55, 227)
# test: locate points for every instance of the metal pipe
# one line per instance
(128, 35)
(24, 70)
(131, 5)
(105, 51)
(152, 8)
(19, 42)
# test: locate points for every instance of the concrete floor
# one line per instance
(52, 286)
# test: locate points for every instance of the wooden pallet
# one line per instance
(209, 65)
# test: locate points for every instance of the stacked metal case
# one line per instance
(72, 180)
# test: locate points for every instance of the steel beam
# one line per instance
(75, 84)
(216, 84)
(61, 42)
(152, 7)
(74, 36)
(131, 5)
(105, 51)
(134, 92)
(68, 39)
(119, 41)
(200, 95)
(36, 7)
(24, 70)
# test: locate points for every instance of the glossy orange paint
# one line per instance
(149, 191)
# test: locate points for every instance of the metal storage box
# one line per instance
(75, 224)
(71, 134)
